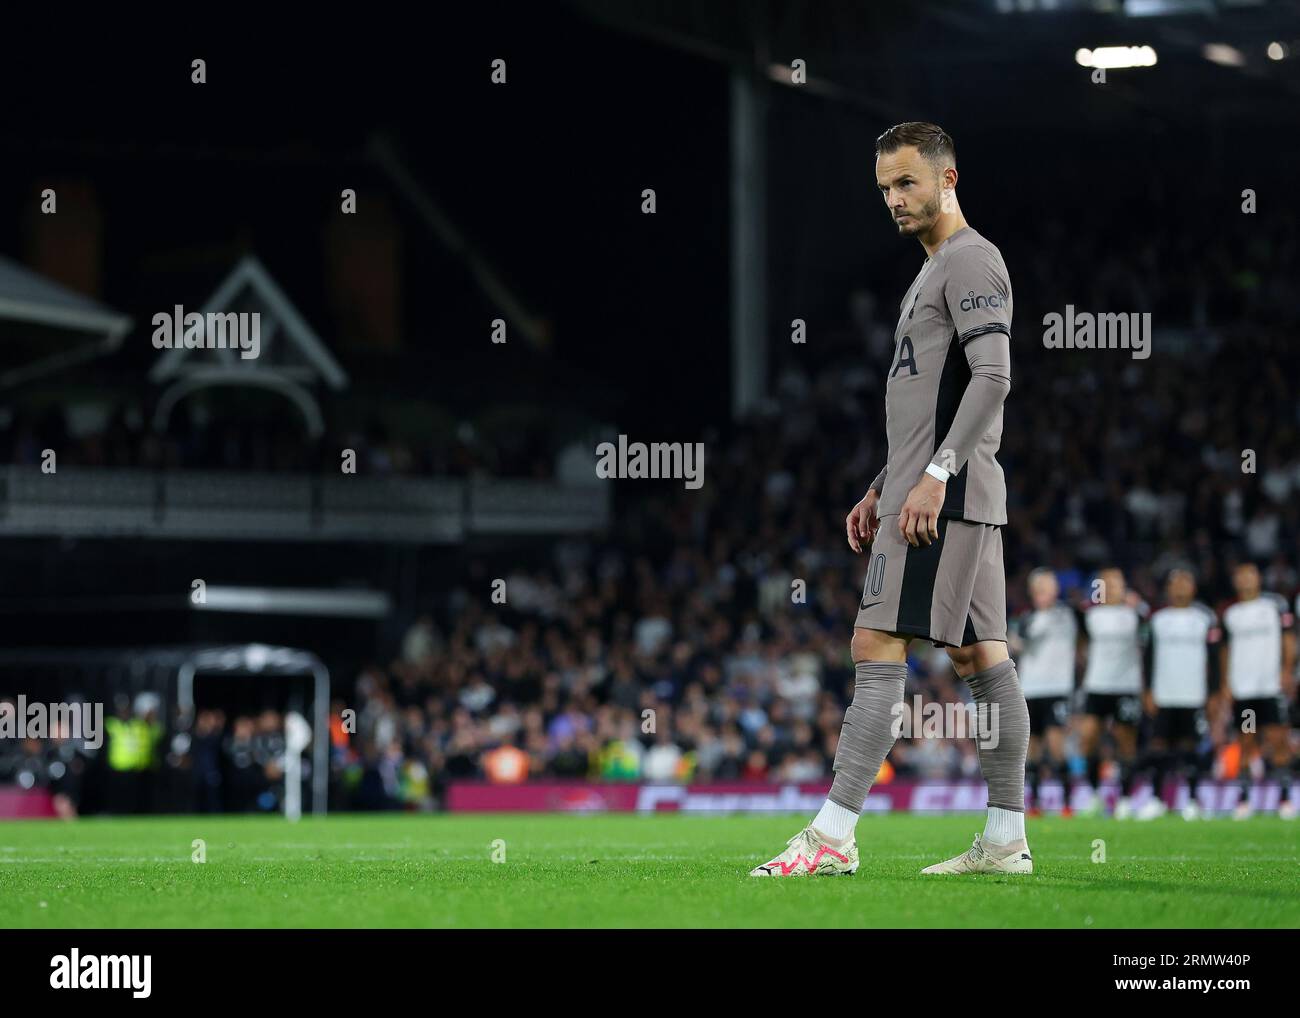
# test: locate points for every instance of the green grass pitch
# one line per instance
(630, 871)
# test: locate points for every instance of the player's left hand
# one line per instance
(919, 519)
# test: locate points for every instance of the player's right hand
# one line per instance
(862, 522)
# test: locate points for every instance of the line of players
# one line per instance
(1183, 666)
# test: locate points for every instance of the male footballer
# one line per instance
(1184, 666)
(933, 519)
(1258, 662)
(1044, 639)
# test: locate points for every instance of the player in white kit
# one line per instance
(1258, 665)
(1114, 630)
(1183, 665)
(1043, 640)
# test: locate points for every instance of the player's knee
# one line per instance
(963, 660)
(977, 657)
(873, 645)
(862, 645)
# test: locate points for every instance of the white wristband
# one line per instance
(934, 470)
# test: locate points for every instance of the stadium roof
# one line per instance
(302, 355)
(40, 320)
(900, 60)
(291, 360)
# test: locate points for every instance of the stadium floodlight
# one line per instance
(1276, 51)
(1164, 8)
(356, 604)
(1223, 54)
(1115, 57)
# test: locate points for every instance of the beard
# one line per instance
(922, 220)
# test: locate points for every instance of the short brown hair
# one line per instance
(931, 141)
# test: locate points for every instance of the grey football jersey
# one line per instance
(954, 325)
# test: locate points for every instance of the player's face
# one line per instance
(1246, 581)
(1043, 591)
(910, 187)
(1115, 588)
(1180, 588)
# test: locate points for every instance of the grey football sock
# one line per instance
(1003, 765)
(868, 732)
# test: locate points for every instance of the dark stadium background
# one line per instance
(1124, 196)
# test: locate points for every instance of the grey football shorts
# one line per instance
(952, 591)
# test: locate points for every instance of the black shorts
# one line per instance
(1047, 712)
(1176, 724)
(1124, 708)
(1268, 711)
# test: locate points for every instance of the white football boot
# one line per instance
(808, 854)
(1244, 810)
(1152, 809)
(1287, 810)
(1123, 808)
(1192, 811)
(978, 859)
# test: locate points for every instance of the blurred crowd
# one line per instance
(604, 691)
(707, 637)
(140, 763)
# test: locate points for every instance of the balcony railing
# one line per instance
(198, 505)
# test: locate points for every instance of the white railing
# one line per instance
(194, 505)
